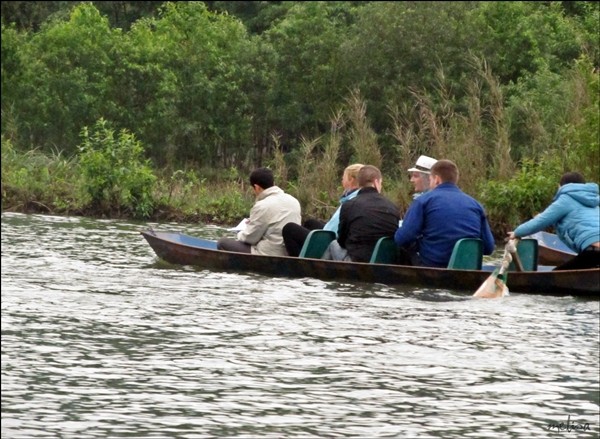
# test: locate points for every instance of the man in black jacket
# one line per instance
(364, 220)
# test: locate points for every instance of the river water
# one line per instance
(100, 339)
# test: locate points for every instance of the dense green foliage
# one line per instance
(307, 87)
(115, 175)
(525, 195)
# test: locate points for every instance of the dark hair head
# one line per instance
(571, 177)
(367, 175)
(446, 170)
(262, 177)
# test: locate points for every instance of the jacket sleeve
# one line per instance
(412, 225)
(342, 230)
(549, 217)
(334, 221)
(256, 227)
(489, 244)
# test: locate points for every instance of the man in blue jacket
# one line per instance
(436, 220)
(575, 213)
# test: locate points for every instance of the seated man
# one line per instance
(364, 220)
(273, 209)
(439, 218)
(419, 175)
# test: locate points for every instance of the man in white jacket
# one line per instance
(272, 210)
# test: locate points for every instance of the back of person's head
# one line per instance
(446, 170)
(367, 175)
(262, 177)
(352, 170)
(571, 177)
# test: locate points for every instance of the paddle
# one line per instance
(511, 246)
(494, 286)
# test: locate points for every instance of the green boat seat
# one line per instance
(385, 251)
(527, 249)
(467, 254)
(316, 243)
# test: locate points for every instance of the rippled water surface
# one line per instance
(100, 339)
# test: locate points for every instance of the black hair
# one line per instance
(571, 177)
(262, 177)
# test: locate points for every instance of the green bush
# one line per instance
(226, 207)
(115, 175)
(522, 197)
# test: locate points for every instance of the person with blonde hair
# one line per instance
(364, 220)
(294, 234)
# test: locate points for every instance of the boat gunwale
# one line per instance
(522, 282)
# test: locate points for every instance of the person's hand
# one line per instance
(511, 235)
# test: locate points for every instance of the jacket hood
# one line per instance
(584, 193)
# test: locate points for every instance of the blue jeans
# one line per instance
(336, 252)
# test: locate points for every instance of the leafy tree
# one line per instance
(308, 83)
(518, 38)
(124, 14)
(13, 68)
(196, 86)
(205, 53)
(66, 80)
(257, 16)
(116, 176)
(398, 46)
(586, 14)
(31, 15)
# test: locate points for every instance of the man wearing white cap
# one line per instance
(435, 221)
(419, 174)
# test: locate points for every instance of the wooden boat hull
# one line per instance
(551, 250)
(182, 249)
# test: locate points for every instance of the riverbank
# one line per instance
(110, 181)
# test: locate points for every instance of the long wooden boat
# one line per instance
(551, 250)
(178, 248)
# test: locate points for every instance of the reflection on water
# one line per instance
(99, 339)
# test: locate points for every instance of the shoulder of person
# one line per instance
(348, 203)
(349, 196)
(271, 191)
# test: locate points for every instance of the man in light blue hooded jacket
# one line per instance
(575, 213)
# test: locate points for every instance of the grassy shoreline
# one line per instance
(33, 182)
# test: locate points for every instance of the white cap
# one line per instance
(424, 164)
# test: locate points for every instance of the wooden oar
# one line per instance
(511, 246)
(494, 286)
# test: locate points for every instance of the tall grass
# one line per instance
(319, 172)
(196, 195)
(35, 182)
(361, 137)
(474, 137)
